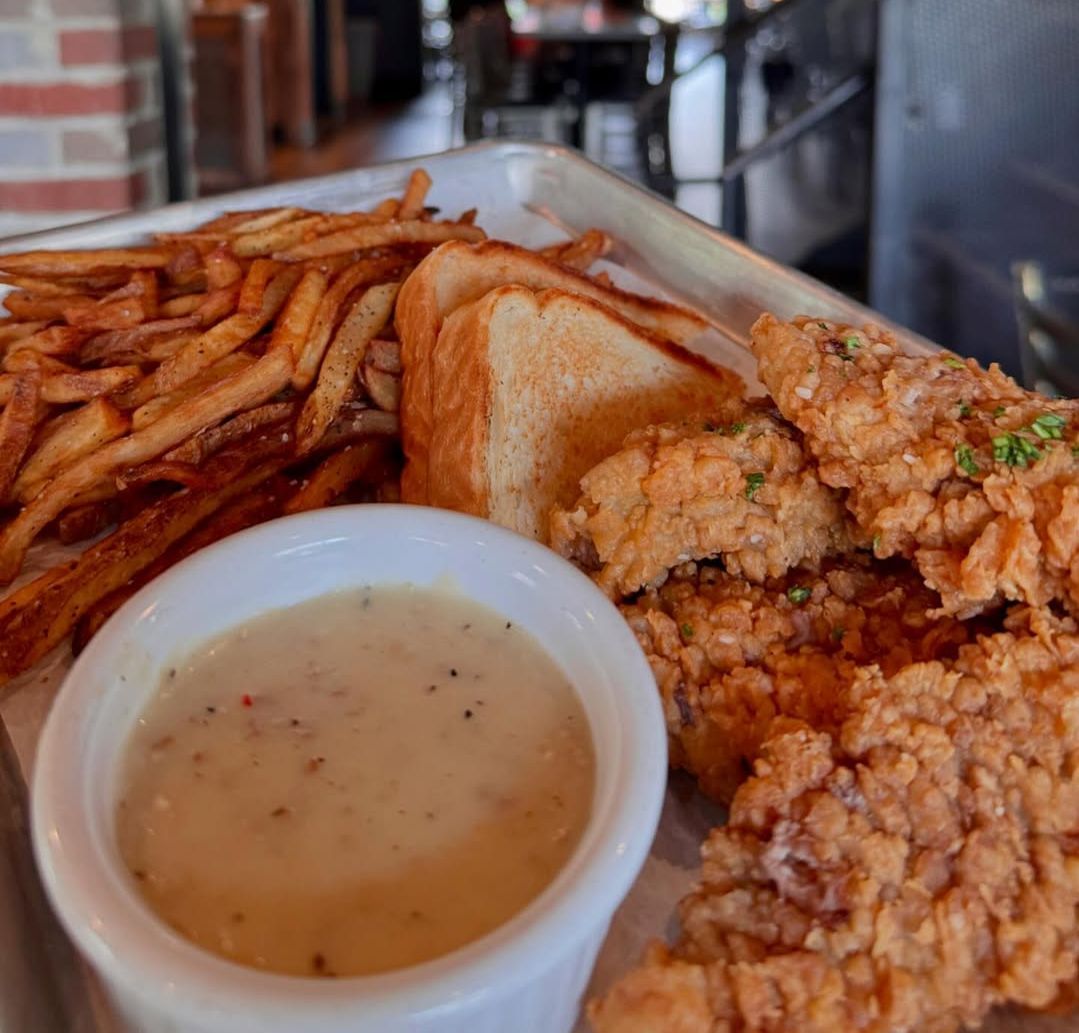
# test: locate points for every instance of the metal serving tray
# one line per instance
(528, 193)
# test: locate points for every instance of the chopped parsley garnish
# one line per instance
(1014, 450)
(1049, 425)
(811, 368)
(753, 484)
(734, 428)
(737, 428)
(964, 410)
(687, 631)
(838, 632)
(954, 362)
(852, 344)
(799, 594)
(823, 326)
(999, 411)
(1075, 450)
(964, 459)
(876, 542)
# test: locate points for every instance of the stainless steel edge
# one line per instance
(725, 279)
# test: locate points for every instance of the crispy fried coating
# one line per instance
(740, 489)
(909, 872)
(953, 466)
(730, 656)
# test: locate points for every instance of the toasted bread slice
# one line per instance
(531, 390)
(457, 273)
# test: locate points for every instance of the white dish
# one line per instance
(526, 976)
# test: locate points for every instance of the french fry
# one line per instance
(83, 263)
(278, 238)
(262, 503)
(17, 425)
(419, 183)
(42, 613)
(56, 340)
(67, 438)
(381, 235)
(258, 278)
(242, 390)
(162, 470)
(85, 521)
(32, 306)
(154, 409)
(332, 477)
(101, 347)
(330, 310)
(387, 209)
(181, 305)
(364, 320)
(218, 304)
(294, 323)
(217, 342)
(384, 388)
(67, 388)
(206, 442)
(581, 252)
(159, 349)
(26, 359)
(37, 285)
(468, 218)
(355, 423)
(384, 355)
(222, 269)
(122, 308)
(264, 220)
(17, 330)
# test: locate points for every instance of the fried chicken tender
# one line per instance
(953, 466)
(741, 490)
(909, 872)
(729, 656)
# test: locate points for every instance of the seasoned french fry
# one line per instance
(181, 305)
(37, 285)
(25, 359)
(354, 423)
(17, 330)
(582, 252)
(384, 388)
(468, 218)
(419, 183)
(387, 209)
(330, 310)
(38, 616)
(31, 306)
(242, 390)
(382, 235)
(66, 388)
(127, 306)
(262, 503)
(384, 355)
(206, 442)
(332, 477)
(17, 425)
(102, 346)
(85, 521)
(222, 269)
(83, 263)
(294, 323)
(217, 342)
(157, 407)
(67, 438)
(364, 320)
(278, 238)
(258, 278)
(264, 220)
(162, 470)
(56, 340)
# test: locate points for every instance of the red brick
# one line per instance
(91, 47)
(71, 195)
(62, 98)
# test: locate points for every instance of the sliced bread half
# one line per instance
(531, 390)
(457, 273)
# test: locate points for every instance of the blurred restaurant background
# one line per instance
(920, 155)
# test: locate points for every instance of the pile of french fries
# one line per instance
(193, 387)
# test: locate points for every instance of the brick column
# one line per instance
(81, 129)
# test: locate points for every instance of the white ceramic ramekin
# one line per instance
(525, 977)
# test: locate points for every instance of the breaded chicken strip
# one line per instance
(953, 466)
(909, 873)
(742, 490)
(729, 656)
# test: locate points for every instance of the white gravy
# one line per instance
(360, 783)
